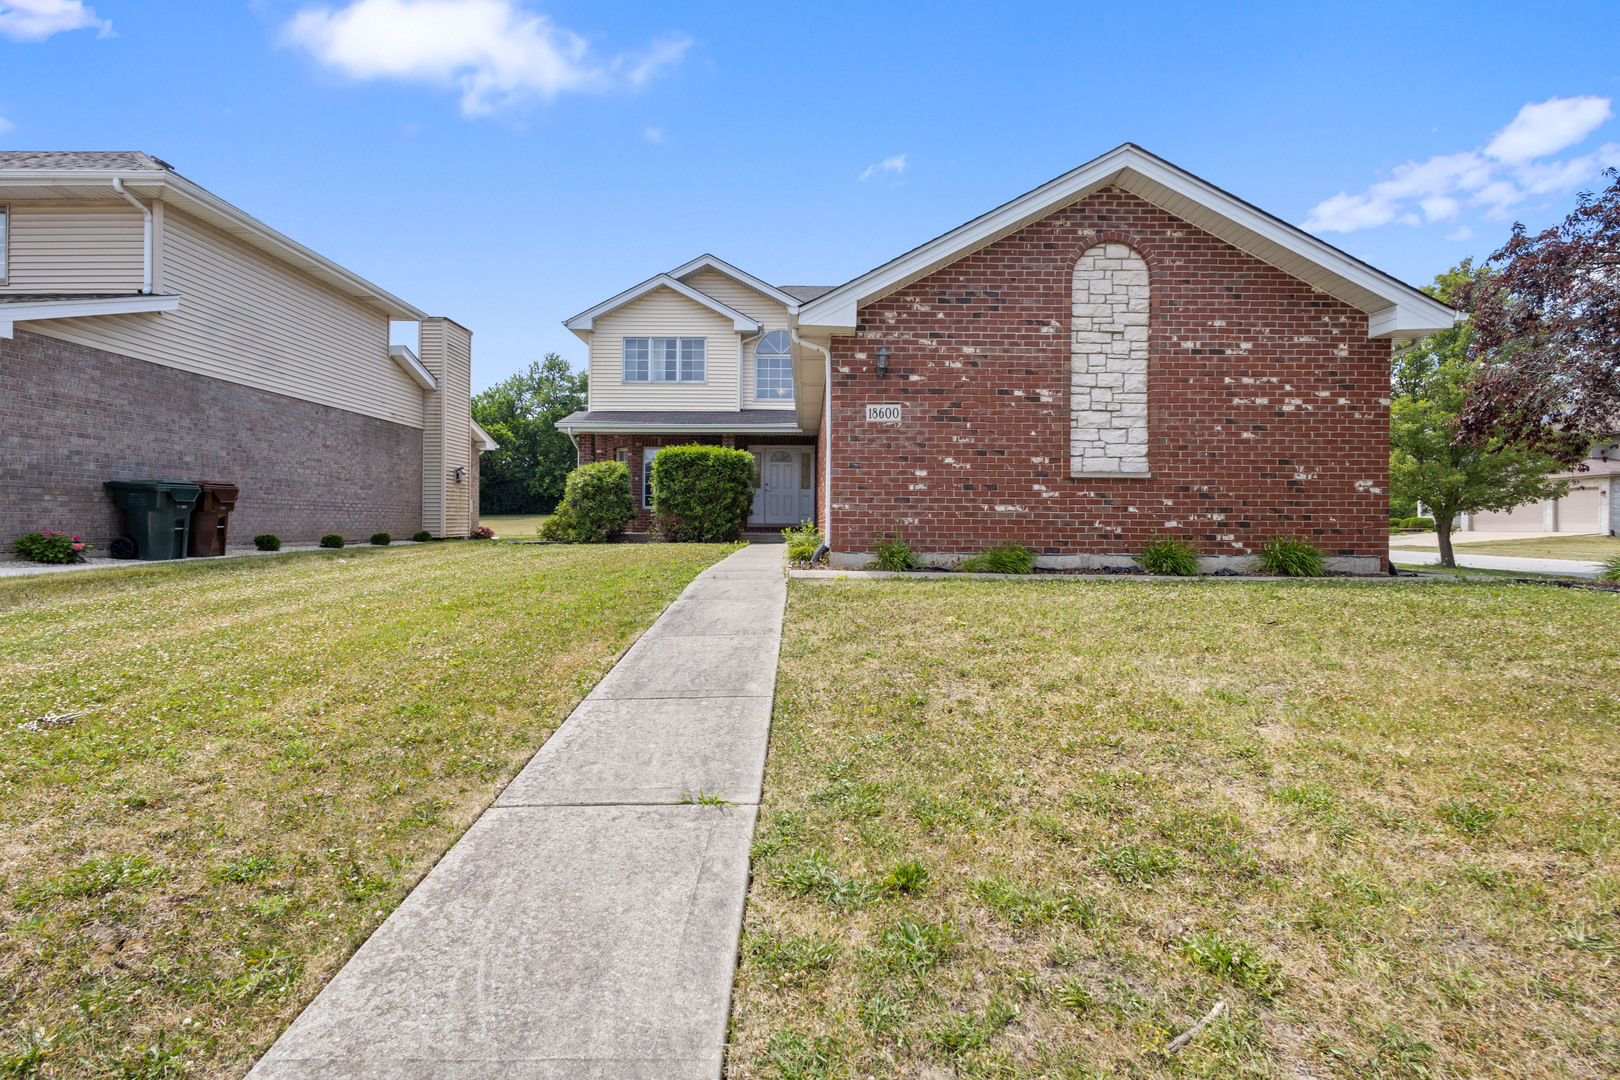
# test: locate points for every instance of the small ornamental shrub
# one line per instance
(483, 532)
(1169, 555)
(596, 505)
(1010, 557)
(421, 536)
(1610, 571)
(702, 494)
(893, 553)
(802, 542)
(1287, 556)
(381, 539)
(331, 540)
(50, 547)
(267, 542)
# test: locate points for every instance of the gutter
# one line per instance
(146, 246)
(826, 410)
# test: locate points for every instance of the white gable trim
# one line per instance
(1398, 310)
(484, 441)
(720, 266)
(402, 355)
(586, 320)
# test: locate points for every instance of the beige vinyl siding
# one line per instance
(663, 313)
(446, 350)
(248, 319)
(771, 315)
(74, 247)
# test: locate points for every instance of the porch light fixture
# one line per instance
(461, 473)
(883, 363)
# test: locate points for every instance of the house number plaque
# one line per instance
(883, 414)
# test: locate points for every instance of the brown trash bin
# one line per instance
(209, 519)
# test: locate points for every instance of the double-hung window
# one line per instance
(773, 367)
(665, 359)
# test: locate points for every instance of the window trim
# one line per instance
(785, 355)
(647, 455)
(680, 344)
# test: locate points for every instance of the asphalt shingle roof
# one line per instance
(806, 293)
(100, 160)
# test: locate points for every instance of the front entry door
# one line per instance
(780, 480)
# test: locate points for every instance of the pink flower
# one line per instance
(78, 547)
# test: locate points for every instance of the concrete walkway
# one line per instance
(1565, 567)
(586, 926)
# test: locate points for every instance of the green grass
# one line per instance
(1583, 548)
(271, 752)
(1380, 822)
(514, 526)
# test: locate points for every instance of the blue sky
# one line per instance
(509, 162)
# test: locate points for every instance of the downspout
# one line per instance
(570, 433)
(741, 360)
(146, 246)
(826, 410)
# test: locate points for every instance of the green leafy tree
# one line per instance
(526, 475)
(1430, 384)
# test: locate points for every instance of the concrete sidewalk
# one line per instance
(1565, 567)
(586, 926)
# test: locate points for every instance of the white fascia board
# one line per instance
(485, 443)
(7, 329)
(80, 309)
(413, 367)
(1400, 322)
(586, 320)
(720, 266)
(1411, 311)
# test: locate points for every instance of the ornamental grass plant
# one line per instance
(1169, 555)
(1289, 556)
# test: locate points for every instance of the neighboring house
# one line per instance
(151, 330)
(1589, 507)
(1124, 352)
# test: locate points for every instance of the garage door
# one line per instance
(1526, 518)
(1579, 511)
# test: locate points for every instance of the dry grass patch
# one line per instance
(1017, 830)
(270, 753)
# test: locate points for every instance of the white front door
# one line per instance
(779, 480)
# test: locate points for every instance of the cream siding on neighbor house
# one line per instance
(447, 434)
(663, 313)
(771, 315)
(248, 319)
(74, 247)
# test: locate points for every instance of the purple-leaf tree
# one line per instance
(1546, 329)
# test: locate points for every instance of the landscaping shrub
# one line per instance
(596, 505)
(483, 532)
(1412, 523)
(381, 539)
(267, 542)
(1610, 570)
(421, 536)
(1169, 555)
(802, 542)
(893, 553)
(702, 494)
(50, 547)
(331, 540)
(1009, 557)
(1287, 556)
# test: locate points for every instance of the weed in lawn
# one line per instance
(1024, 905)
(793, 957)
(1075, 996)
(961, 1033)
(1468, 817)
(916, 947)
(795, 1056)
(703, 798)
(906, 877)
(813, 875)
(1137, 863)
(1233, 961)
(882, 1014)
(243, 870)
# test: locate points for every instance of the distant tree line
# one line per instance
(526, 475)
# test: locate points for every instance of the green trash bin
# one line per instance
(157, 517)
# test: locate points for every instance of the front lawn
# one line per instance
(268, 753)
(1039, 830)
(514, 526)
(1582, 548)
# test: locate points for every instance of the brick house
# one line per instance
(1124, 352)
(151, 330)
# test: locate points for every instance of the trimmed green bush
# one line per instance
(49, 547)
(802, 542)
(893, 553)
(331, 540)
(267, 542)
(596, 505)
(1009, 557)
(1289, 556)
(1169, 555)
(1412, 523)
(702, 494)
(421, 536)
(381, 539)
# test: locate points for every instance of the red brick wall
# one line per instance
(1268, 406)
(72, 417)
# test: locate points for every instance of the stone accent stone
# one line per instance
(1108, 403)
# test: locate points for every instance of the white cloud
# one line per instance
(5, 125)
(499, 53)
(1459, 235)
(895, 164)
(653, 134)
(1492, 180)
(36, 20)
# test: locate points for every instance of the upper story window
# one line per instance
(773, 367)
(665, 359)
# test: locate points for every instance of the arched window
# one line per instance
(773, 367)
(1108, 399)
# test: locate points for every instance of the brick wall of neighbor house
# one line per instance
(605, 447)
(72, 416)
(1267, 406)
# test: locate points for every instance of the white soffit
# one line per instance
(742, 277)
(413, 367)
(81, 309)
(586, 320)
(1398, 310)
